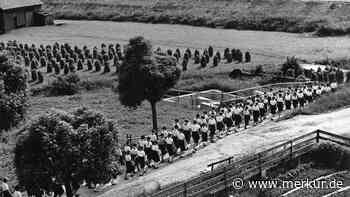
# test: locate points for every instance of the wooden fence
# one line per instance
(225, 171)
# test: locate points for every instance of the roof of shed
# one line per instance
(13, 4)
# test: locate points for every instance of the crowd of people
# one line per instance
(214, 124)
(64, 58)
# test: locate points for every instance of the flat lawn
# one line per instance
(266, 47)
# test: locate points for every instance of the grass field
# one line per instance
(327, 18)
(268, 49)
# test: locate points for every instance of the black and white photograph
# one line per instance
(174, 98)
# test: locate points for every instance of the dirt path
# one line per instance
(249, 141)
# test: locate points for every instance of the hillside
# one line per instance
(324, 18)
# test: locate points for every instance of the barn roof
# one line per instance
(12, 4)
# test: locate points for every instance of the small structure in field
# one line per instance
(22, 13)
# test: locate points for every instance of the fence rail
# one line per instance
(215, 98)
(224, 171)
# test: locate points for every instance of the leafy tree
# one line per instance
(62, 148)
(292, 63)
(144, 76)
(14, 78)
(13, 99)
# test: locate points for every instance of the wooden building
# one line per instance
(22, 13)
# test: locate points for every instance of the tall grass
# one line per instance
(324, 18)
(332, 101)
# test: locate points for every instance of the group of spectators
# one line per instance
(214, 124)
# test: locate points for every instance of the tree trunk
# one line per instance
(69, 189)
(154, 116)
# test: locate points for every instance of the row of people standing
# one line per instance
(209, 126)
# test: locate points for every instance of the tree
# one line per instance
(61, 148)
(292, 63)
(144, 76)
(13, 100)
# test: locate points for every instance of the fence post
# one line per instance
(260, 167)
(225, 181)
(291, 150)
(317, 136)
(185, 189)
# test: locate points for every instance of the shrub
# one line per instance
(331, 156)
(67, 85)
(12, 109)
(66, 146)
(15, 80)
(258, 70)
(292, 63)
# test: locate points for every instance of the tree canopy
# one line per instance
(145, 76)
(60, 148)
(13, 96)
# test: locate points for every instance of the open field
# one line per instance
(269, 47)
(325, 17)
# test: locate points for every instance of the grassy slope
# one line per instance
(269, 15)
(131, 121)
(333, 101)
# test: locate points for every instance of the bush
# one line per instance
(292, 64)
(331, 156)
(12, 109)
(67, 85)
(15, 80)
(71, 147)
(258, 70)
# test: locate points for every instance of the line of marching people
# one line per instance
(209, 126)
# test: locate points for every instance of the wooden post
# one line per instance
(291, 150)
(225, 181)
(260, 167)
(317, 136)
(185, 189)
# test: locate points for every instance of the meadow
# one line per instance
(268, 49)
(297, 16)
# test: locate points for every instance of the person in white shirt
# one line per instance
(256, 112)
(261, 109)
(288, 100)
(228, 118)
(295, 100)
(195, 132)
(212, 127)
(280, 104)
(273, 106)
(334, 86)
(17, 192)
(204, 131)
(141, 160)
(186, 127)
(301, 98)
(237, 114)
(130, 169)
(246, 114)
(220, 124)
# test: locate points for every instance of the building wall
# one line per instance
(20, 17)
